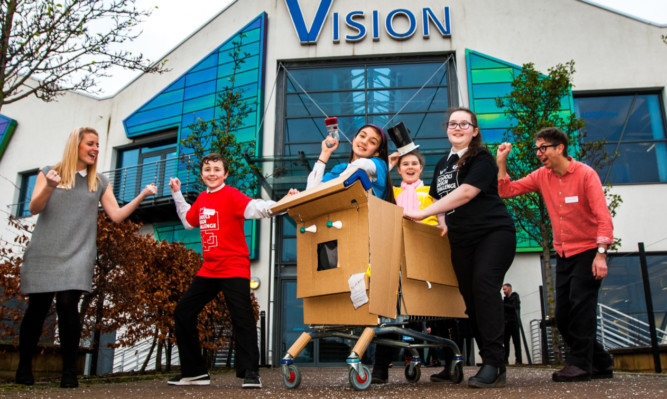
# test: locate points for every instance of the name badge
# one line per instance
(208, 212)
(571, 200)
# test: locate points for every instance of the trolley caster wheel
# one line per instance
(413, 373)
(292, 378)
(358, 381)
(457, 375)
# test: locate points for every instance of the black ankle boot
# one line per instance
(488, 377)
(68, 379)
(24, 375)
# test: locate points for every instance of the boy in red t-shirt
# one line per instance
(220, 212)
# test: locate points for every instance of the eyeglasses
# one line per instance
(463, 125)
(543, 148)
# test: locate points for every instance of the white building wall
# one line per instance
(611, 52)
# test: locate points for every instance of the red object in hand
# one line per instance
(332, 129)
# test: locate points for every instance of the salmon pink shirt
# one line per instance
(576, 204)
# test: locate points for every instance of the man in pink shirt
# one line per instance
(582, 232)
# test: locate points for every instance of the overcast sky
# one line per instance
(172, 22)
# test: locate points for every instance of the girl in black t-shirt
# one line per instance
(482, 237)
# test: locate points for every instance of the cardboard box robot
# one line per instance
(342, 229)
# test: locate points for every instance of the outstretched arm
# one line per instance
(461, 195)
(116, 213)
(182, 207)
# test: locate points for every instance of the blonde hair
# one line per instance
(67, 167)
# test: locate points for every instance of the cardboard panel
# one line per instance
(440, 300)
(353, 255)
(352, 197)
(320, 191)
(385, 229)
(336, 309)
(427, 254)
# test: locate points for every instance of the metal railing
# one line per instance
(619, 330)
(128, 182)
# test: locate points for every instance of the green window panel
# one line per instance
(489, 78)
(7, 127)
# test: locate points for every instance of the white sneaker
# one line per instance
(203, 379)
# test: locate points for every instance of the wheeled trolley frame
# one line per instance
(359, 374)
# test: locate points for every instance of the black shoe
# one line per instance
(251, 380)
(203, 379)
(69, 380)
(442, 376)
(602, 373)
(571, 373)
(24, 376)
(488, 377)
(379, 375)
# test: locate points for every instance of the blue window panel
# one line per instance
(178, 84)
(204, 72)
(206, 75)
(154, 126)
(174, 232)
(154, 114)
(632, 124)
(168, 98)
(199, 90)
(208, 62)
(190, 118)
(7, 127)
(491, 90)
(200, 104)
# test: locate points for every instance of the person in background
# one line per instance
(512, 304)
(482, 237)
(582, 233)
(220, 213)
(60, 258)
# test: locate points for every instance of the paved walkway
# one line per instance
(522, 382)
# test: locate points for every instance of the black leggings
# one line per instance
(69, 326)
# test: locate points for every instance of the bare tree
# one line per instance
(49, 47)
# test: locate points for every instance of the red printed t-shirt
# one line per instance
(219, 216)
(576, 204)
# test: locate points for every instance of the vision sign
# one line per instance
(356, 25)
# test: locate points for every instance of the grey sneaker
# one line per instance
(203, 379)
(251, 380)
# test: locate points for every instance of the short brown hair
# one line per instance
(419, 155)
(213, 157)
(554, 136)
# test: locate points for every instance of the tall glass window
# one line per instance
(634, 126)
(416, 92)
(28, 180)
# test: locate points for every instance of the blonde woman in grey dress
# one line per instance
(60, 258)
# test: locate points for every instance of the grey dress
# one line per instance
(61, 254)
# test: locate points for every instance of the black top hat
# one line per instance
(400, 135)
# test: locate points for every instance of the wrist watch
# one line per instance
(602, 250)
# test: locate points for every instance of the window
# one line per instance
(634, 126)
(139, 165)
(28, 180)
(416, 92)
(623, 288)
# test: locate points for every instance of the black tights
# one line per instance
(69, 327)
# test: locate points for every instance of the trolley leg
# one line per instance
(354, 359)
(294, 351)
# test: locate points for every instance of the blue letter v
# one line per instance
(308, 36)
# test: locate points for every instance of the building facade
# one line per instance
(382, 62)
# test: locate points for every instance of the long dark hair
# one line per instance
(383, 154)
(476, 144)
